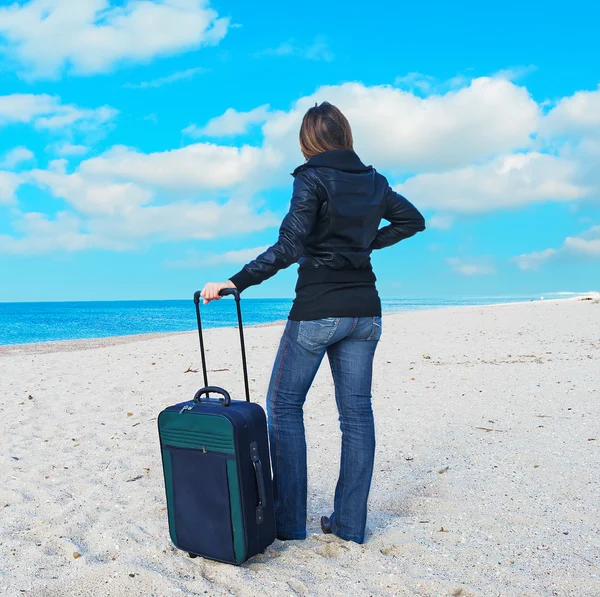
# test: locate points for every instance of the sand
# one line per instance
(487, 473)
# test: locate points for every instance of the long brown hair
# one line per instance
(324, 128)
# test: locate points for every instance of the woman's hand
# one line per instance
(210, 292)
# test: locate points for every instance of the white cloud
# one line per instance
(195, 259)
(400, 132)
(47, 112)
(503, 183)
(15, 157)
(440, 221)
(578, 114)
(66, 149)
(194, 167)
(236, 257)
(535, 260)
(284, 49)
(124, 214)
(231, 122)
(421, 84)
(26, 107)
(585, 245)
(9, 183)
(419, 81)
(83, 37)
(183, 75)
(481, 266)
(125, 230)
(516, 73)
(68, 116)
(183, 220)
(127, 197)
(89, 196)
(318, 50)
(41, 235)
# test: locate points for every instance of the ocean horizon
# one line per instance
(33, 322)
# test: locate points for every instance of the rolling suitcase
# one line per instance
(217, 470)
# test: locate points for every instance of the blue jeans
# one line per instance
(350, 346)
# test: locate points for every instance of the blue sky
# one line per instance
(145, 147)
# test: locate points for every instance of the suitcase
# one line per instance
(217, 470)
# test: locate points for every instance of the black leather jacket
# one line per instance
(334, 217)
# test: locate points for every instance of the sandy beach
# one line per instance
(487, 473)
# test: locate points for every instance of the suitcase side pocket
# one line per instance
(201, 503)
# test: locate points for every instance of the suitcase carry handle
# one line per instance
(236, 294)
(260, 481)
(214, 390)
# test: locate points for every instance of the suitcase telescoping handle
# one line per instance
(207, 389)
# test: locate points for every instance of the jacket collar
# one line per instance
(338, 159)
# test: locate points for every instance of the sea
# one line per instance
(25, 323)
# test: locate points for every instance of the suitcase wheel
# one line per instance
(192, 555)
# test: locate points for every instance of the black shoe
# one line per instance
(325, 525)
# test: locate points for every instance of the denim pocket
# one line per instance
(376, 331)
(317, 332)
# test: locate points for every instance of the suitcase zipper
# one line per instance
(186, 407)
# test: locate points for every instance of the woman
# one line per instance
(331, 229)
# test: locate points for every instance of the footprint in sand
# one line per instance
(330, 550)
(462, 592)
(298, 587)
(393, 550)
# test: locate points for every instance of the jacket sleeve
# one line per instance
(405, 221)
(293, 232)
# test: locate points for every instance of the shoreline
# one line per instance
(52, 346)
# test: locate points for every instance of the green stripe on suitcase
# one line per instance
(169, 489)
(239, 546)
(188, 430)
(199, 443)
